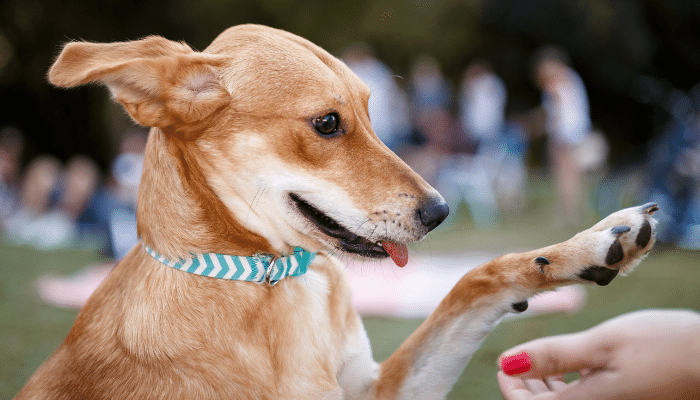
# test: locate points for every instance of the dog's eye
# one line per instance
(328, 124)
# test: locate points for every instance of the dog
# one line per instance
(261, 166)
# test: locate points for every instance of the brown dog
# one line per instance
(261, 146)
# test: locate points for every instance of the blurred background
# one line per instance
(534, 119)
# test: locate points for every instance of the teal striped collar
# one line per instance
(258, 268)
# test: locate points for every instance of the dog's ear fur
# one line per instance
(159, 82)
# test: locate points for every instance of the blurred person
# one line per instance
(388, 105)
(650, 354)
(567, 122)
(674, 165)
(482, 103)
(53, 203)
(39, 183)
(493, 174)
(113, 214)
(80, 184)
(11, 147)
(431, 97)
(36, 222)
(126, 175)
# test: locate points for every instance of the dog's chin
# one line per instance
(342, 238)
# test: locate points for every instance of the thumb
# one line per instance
(555, 355)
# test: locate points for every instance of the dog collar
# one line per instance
(258, 268)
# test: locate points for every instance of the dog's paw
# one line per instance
(634, 230)
(614, 245)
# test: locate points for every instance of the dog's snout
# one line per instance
(433, 212)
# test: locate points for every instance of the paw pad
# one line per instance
(600, 275)
(644, 235)
(520, 307)
(615, 253)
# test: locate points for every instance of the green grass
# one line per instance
(30, 330)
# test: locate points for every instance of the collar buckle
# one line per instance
(268, 272)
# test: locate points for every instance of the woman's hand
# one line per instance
(641, 355)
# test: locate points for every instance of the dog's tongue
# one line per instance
(397, 251)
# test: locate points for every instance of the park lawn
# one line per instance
(30, 330)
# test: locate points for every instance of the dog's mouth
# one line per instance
(346, 240)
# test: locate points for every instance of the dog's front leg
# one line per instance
(429, 362)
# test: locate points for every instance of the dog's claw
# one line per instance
(542, 261)
(620, 229)
(650, 208)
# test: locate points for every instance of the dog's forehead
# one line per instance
(275, 66)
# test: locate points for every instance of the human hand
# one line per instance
(641, 355)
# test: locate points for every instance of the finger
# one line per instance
(597, 385)
(555, 355)
(585, 372)
(513, 388)
(536, 386)
(555, 383)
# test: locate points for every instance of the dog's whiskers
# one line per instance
(357, 230)
(257, 197)
(369, 237)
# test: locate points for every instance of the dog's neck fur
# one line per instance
(174, 189)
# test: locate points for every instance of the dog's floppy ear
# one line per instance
(159, 82)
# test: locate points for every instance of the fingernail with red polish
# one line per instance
(516, 364)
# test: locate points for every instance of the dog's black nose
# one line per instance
(432, 212)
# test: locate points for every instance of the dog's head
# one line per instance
(269, 131)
